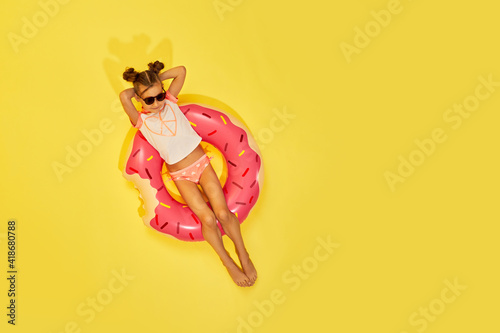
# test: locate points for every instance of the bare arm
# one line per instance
(126, 99)
(178, 74)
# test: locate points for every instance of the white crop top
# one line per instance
(168, 131)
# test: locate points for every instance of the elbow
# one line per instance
(127, 94)
(182, 70)
(124, 93)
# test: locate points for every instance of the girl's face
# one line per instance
(154, 92)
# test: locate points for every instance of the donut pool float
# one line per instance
(236, 160)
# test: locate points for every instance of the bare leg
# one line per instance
(231, 226)
(227, 219)
(209, 229)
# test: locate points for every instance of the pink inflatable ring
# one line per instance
(242, 176)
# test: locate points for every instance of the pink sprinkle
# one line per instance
(244, 173)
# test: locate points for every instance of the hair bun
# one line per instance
(156, 67)
(130, 74)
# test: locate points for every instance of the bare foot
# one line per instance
(248, 268)
(237, 275)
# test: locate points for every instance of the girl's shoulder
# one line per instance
(171, 97)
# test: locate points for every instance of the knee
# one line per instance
(208, 220)
(224, 216)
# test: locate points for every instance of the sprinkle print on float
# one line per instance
(236, 160)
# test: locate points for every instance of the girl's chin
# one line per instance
(154, 109)
(159, 108)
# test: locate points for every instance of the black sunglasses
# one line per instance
(150, 100)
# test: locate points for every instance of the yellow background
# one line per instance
(325, 166)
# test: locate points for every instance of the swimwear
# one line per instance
(192, 172)
(169, 131)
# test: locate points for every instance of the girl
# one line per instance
(179, 145)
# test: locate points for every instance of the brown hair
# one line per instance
(146, 78)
